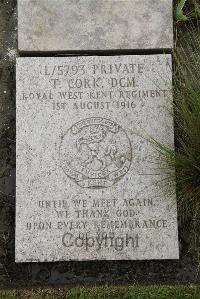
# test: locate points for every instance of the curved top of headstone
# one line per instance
(83, 25)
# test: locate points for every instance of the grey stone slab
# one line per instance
(51, 25)
(89, 184)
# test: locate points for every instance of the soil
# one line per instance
(62, 273)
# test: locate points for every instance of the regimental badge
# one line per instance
(95, 153)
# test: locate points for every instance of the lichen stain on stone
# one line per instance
(39, 32)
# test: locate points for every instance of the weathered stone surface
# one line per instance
(50, 25)
(88, 181)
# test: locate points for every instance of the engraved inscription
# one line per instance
(89, 183)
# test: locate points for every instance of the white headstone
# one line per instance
(51, 25)
(88, 181)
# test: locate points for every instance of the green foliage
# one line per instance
(7, 295)
(152, 292)
(111, 292)
(187, 112)
(186, 157)
(182, 14)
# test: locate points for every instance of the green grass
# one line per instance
(130, 292)
(187, 118)
(186, 157)
(181, 15)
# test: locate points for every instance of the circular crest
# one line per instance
(95, 153)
